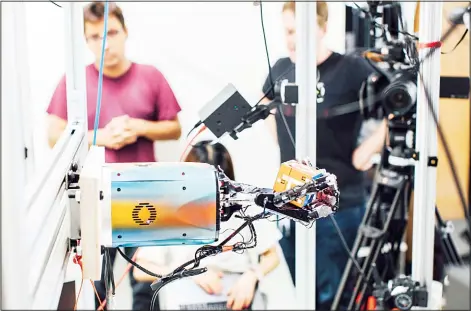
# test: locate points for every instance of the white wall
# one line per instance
(199, 47)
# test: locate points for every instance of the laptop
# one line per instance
(185, 294)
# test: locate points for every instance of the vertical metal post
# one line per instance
(306, 70)
(15, 294)
(75, 64)
(426, 144)
(77, 100)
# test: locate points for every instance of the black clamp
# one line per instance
(432, 161)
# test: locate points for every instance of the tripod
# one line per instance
(383, 226)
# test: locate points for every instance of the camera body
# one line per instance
(401, 293)
(391, 92)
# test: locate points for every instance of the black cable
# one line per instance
(111, 275)
(194, 128)
(378, 25)
(339, 232)
(105, 274)
(457, 44)
(132, 262)
(293, 142)
(201, 253)
(438, 126)
(446, 148)
(266, 46)
(55, 4)
(345, 245)
(108, 274)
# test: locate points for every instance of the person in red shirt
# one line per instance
(138, 107)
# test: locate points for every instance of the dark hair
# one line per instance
(217, 155)
(95, 12)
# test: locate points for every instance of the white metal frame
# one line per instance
(14, 295)
(306, 71)
(36, 223)
(23, 84)
(426, 145)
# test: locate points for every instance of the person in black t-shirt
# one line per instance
(339, 81)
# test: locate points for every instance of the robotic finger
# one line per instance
(301, 193)
(163, 204)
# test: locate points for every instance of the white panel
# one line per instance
(14, 252)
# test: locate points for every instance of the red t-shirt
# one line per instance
(142, 92)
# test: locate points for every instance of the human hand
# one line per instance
(210, 281)
(362, 156)
(119, 133)
(240, 296)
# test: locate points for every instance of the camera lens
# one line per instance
(399, 97)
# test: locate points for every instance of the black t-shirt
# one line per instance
(339, 80)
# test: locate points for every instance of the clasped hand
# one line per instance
(119, 132)
(241, 294)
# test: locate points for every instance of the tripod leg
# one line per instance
(359, 241)
(377, 244)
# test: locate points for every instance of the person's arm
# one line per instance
(56, 126)
(241, 294)
(56, 121)
(269, 260)
(157, 130)
(166, 126)
(362, 155)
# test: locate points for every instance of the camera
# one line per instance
(390, 95)
(391, 92)
(286, 92)
(401, 293)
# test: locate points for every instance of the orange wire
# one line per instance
(78, 295)
(81, 283)
(190, 143)
(96, 292)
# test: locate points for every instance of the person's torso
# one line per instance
(133, 94)
(336, 136)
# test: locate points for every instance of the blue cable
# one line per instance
(100, 75)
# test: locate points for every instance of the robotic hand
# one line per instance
(162, 204)
(304, 194)
(315, 196)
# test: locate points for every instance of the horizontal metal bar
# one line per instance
(46, 239)
(47, 186)
(47, 295)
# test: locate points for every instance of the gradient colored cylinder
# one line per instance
(162, 204)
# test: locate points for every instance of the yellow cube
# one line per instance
(291, 174)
